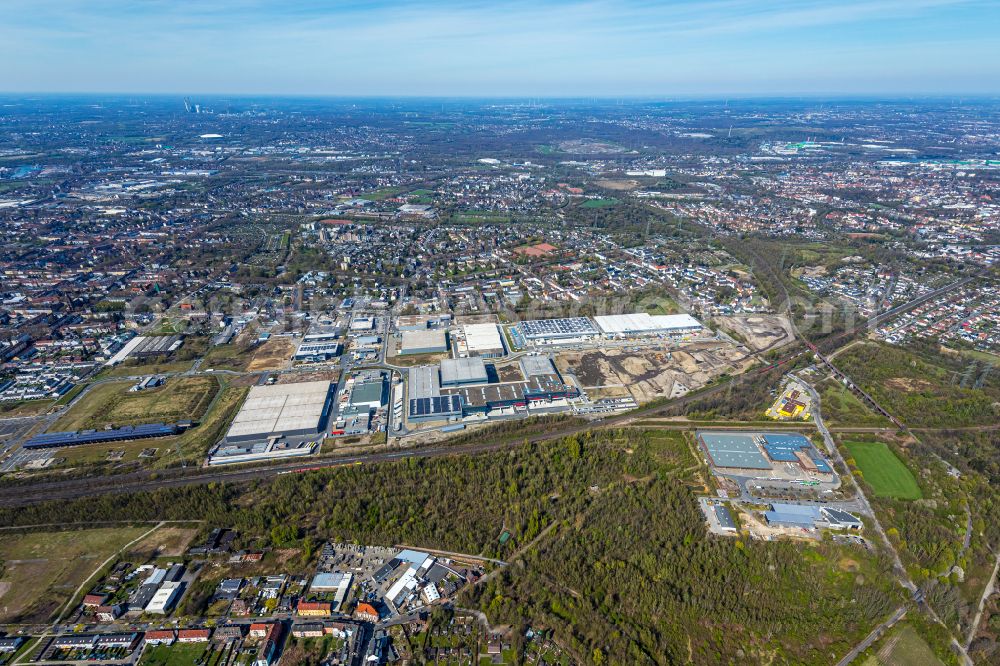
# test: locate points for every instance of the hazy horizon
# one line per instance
(561, 49)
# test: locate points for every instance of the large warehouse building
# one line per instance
(464, 386)
(426, 341)
(572, 328)
(762, 451)
(281, 410)
(642, 323)
(483, 340)
(460, 371)
(733, 449)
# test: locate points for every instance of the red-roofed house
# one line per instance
(94, 600)
(366, 611)
(164, 637)
(314, 608)
(193, 635)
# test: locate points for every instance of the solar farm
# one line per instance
(60, 439)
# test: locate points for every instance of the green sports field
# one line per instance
(599, 203)
(884, 472)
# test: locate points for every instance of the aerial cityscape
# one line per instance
(417, 372)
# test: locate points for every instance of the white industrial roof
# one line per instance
(642, 322)
(281, 408)
(423, 339)
(482, 336)
(305, 399)
(424, 382)
(677, 321)
(161, 600)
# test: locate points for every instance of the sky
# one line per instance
(528, 48)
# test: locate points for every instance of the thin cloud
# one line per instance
(387, 47)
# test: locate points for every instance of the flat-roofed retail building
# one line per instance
(558, 329)
(733, 449)
(642, 323)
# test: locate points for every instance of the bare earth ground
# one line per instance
(310, 376)
(652, 374)
(476, 319)
(908, 384)
(166, 541)
(509, 373)
(412, 360)
(622, 185)
(272, 355)
(761, 331)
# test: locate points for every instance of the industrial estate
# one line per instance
(296, 382)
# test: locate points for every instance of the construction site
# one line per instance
(759, 332)
(647, 374)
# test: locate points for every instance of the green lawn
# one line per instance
(44, 568)
(178, 654)
(884, 472)
(904, 647)
(382, 194)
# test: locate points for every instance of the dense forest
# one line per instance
(638, 580)
(609, 547)
(924, 389)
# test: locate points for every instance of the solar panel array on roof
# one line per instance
(439, 406)
(572, 327)
(841, 518)
(55, 439)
